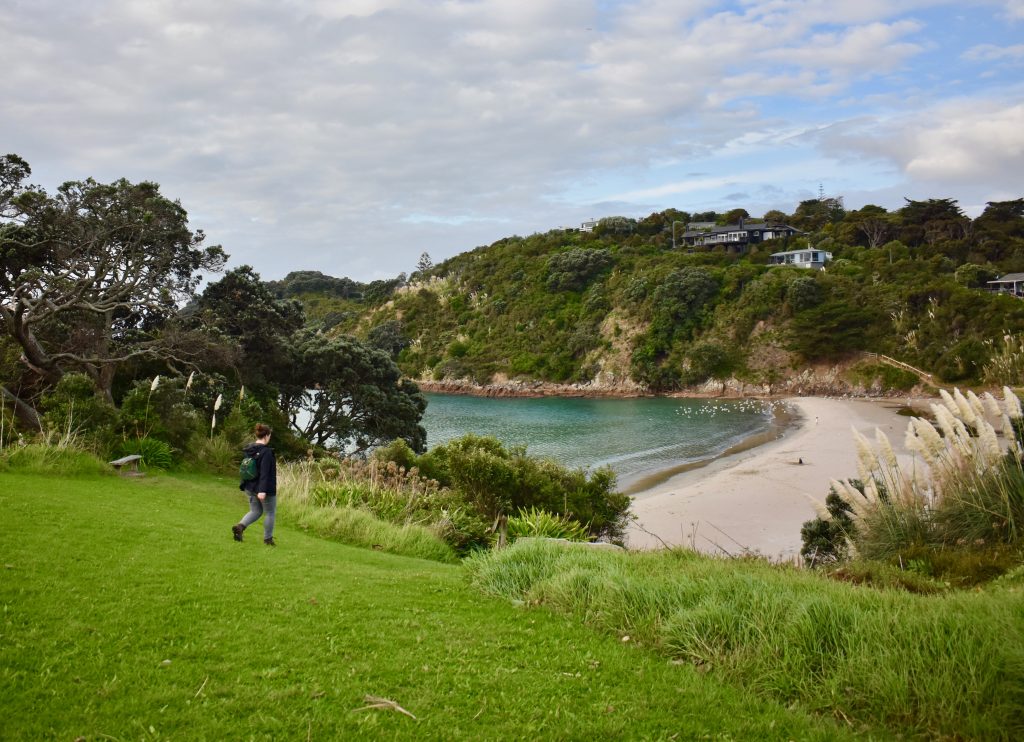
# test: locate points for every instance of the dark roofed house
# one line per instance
(735, 237)
(1011, 283)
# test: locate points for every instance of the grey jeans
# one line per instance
(267, 508)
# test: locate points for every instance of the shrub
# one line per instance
(825, 539)
(74, 407)
(216, 454)
(542, 524)
(156, 454)
(572, 270)
(495, 480)
(884, 376)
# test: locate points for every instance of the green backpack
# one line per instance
(249, 468)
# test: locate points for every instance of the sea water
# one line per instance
(637, 438)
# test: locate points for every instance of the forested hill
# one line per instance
(620, 307)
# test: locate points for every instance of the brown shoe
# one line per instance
(270, 541)
(236, 531)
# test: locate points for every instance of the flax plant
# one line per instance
(962, 487)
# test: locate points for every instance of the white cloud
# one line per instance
(367, 131)
(967, 142)
(993, 53)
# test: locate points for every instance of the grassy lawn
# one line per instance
(129, 613)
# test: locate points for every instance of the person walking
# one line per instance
(262, 490)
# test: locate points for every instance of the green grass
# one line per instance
(936, 667)
(129, 613)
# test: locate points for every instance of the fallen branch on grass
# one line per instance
(376, 702)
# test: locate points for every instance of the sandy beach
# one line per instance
(757, 500)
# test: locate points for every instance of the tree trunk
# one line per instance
(502, 531)
(24, 411)
(33, 355)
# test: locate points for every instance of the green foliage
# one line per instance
(935, 667)
(572, 270)
(533, 523)
(394, 495)
(156, 454)
(54, 460)
(74, 406)
(883, 376)
(707, 359)
(351, 396)
(826, 540)
(494, 480)
(163, 413)
(215, 454)
(388, 336)
(803, 292)
(397, 452)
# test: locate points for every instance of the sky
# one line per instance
(351, 136)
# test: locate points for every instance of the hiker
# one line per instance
(262, 489)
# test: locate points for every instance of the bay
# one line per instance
(637, 437)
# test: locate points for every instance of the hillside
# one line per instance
(621, 309)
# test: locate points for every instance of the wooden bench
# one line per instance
(129, 463)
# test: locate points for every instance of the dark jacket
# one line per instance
(266, 465)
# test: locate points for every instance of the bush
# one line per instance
(496, 480)
(826, 539)
(73, 407)
(156, 454)
(572, 270)
(884, 377)
(542, 524)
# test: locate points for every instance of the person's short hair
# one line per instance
(262, 431)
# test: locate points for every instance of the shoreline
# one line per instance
(754, 498)
(784, 420)
(827, 385)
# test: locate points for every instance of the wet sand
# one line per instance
(755, 500)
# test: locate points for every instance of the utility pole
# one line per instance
(674, 223)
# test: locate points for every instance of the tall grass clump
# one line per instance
(1006, 362)
(53, 457)
(326, 498)
(926, 667)
(963, 490)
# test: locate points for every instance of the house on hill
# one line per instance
(1011, 283)
(810, 258)
(734, 237)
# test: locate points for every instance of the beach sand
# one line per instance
(757, 500)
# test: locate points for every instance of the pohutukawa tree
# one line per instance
(89, 274)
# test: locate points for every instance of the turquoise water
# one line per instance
(636, 437)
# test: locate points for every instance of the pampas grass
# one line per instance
(964, 487)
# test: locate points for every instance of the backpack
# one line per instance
(249, 469)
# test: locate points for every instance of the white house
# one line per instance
(809, 258)
(1011, 283)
